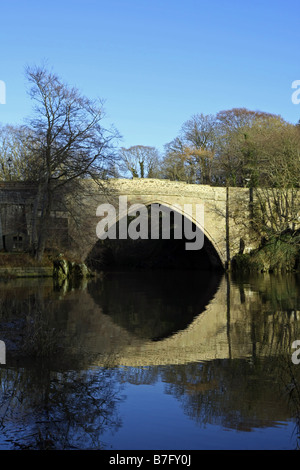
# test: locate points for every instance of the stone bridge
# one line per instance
(226, 223)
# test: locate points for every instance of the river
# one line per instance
(162, 359)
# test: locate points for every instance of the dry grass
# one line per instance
(16, 260)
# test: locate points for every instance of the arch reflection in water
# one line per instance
(229, 321)
(154, 305)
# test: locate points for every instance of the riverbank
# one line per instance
(20, 265)
(276, 255)
(280, 255)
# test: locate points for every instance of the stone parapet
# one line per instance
(166, 187)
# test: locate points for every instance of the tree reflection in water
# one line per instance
(235, 394)
(44, 409)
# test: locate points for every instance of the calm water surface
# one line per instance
(150, 360)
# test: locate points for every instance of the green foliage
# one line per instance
(279, 254)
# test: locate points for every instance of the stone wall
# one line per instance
(16, 212)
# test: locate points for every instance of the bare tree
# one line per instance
(189, 156)
(237, 150)
(140, 161)
(68, 143)
(14, 155)
(174, 165)
(277, 190)
(198, 135)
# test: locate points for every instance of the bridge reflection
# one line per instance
(153, 305)
(158, 318)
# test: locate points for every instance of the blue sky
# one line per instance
(155, 63)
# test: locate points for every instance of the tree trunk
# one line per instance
(43, 224)
(34, 221)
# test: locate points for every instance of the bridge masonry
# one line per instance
(226, 210)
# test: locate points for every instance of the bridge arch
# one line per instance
(227, 212)
(210, 246)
